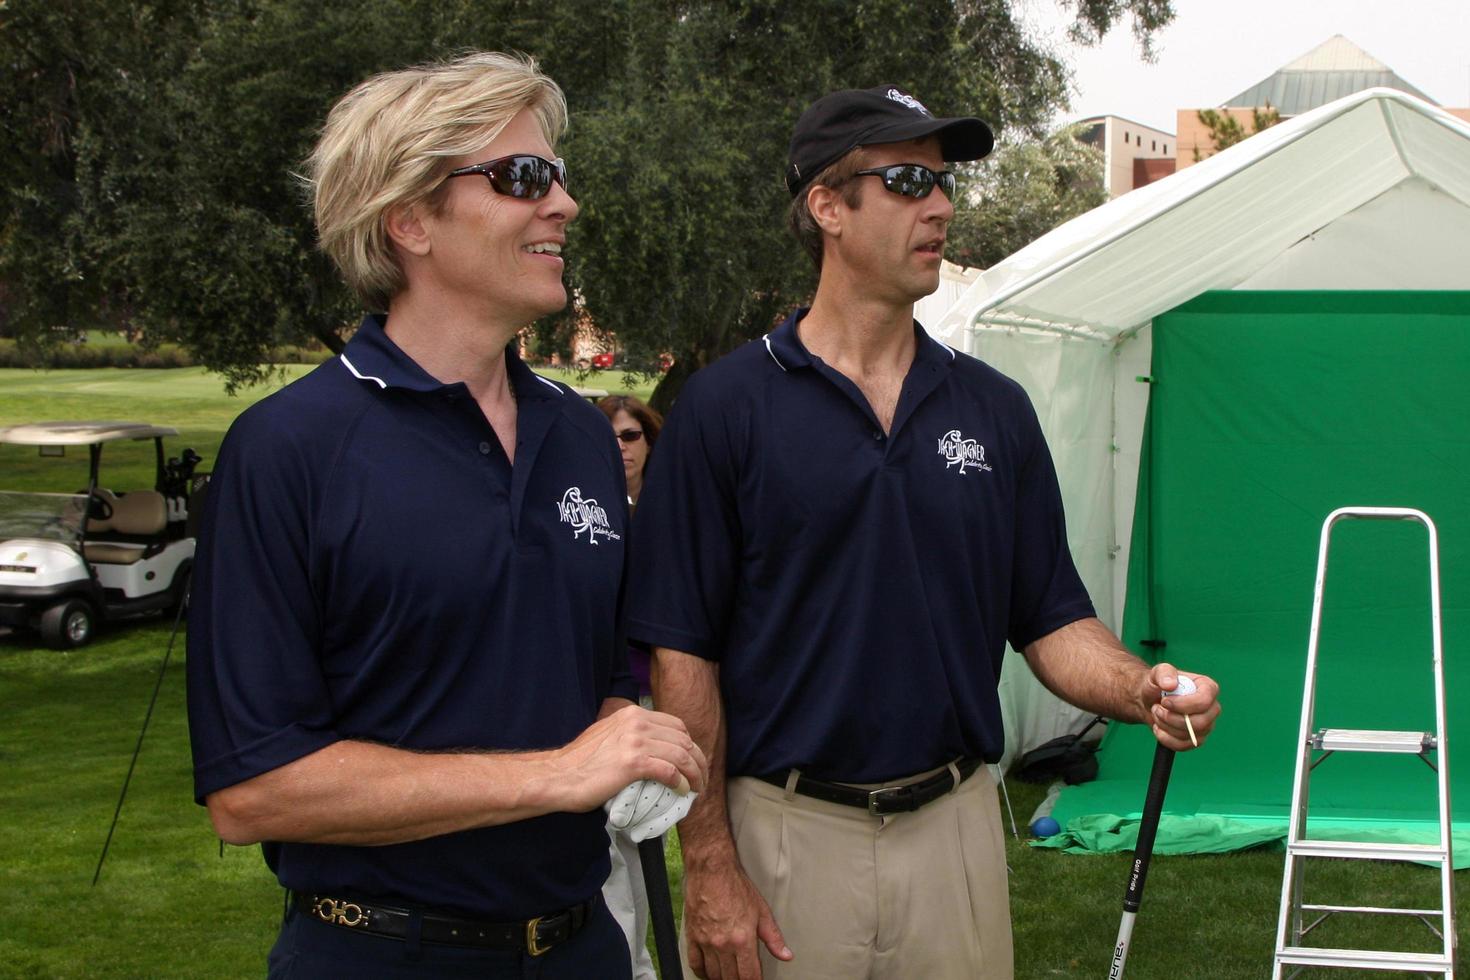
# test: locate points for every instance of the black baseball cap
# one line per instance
(844, 120)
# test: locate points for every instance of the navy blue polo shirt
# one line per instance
(371, 566)
(857, 588)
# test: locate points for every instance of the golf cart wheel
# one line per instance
(68, 624)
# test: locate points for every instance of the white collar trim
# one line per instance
(359, 375)
(767, 339)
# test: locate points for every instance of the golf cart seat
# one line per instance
(81, 510)
(141, 513)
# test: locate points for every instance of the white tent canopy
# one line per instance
(1219, 223)
(954, 280)
(1369, 192)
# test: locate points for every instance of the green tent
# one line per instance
(1268, 411)
(1220, 360)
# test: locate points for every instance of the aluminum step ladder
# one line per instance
(1291, 955)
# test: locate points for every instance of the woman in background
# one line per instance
(636, 427)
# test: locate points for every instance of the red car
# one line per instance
(602, 362)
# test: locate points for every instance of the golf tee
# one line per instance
(1185, 685)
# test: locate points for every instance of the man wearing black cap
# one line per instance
(844, 525)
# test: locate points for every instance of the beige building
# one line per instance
(1133, 154)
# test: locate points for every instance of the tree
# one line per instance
(1227, 130)
(162, 193)
(1022, 191)
(1096, 17)
(682, 244)
(79, 78)
(221, 252)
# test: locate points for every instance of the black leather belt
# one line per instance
(880, 802)
(534, 936)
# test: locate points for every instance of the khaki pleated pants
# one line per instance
(913, 895)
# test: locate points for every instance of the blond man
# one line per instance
(405, 677)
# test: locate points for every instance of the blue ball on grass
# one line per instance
(1045, 827)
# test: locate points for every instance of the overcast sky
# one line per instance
(1215, 49)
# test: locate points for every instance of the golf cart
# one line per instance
(71, 560)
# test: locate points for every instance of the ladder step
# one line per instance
(1364, 959)
(1371, 910)
(1366, 849)
(1369, 740)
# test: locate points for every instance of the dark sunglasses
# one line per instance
(630, 435)
(523, 175)
(912, 179)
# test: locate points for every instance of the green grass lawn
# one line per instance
(169, 904)
(189, 399)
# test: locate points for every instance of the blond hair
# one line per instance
(390, 141)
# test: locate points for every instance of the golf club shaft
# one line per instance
(147, 717)
(1148, 828)
(1120, 948)
(660, 907)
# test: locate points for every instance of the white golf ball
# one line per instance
(1186, 686)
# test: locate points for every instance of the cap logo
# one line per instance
(908, 100)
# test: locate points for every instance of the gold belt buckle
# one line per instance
(533, 939)
(338, 912)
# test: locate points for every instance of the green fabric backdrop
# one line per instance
(1268, 410)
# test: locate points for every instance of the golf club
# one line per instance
(147, 717)
(660, 907)
(1148, 826)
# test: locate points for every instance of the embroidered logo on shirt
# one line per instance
(962, 452)
(585, 515)
(903, 98)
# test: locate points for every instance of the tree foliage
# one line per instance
(1096, 17)
(157, 186)
(682, 245)
(1022, 191)
(1227, 130)
(79, 78)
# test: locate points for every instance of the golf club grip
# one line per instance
(1148, 826)
(660, 907)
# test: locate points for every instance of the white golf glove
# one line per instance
(646, 809)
